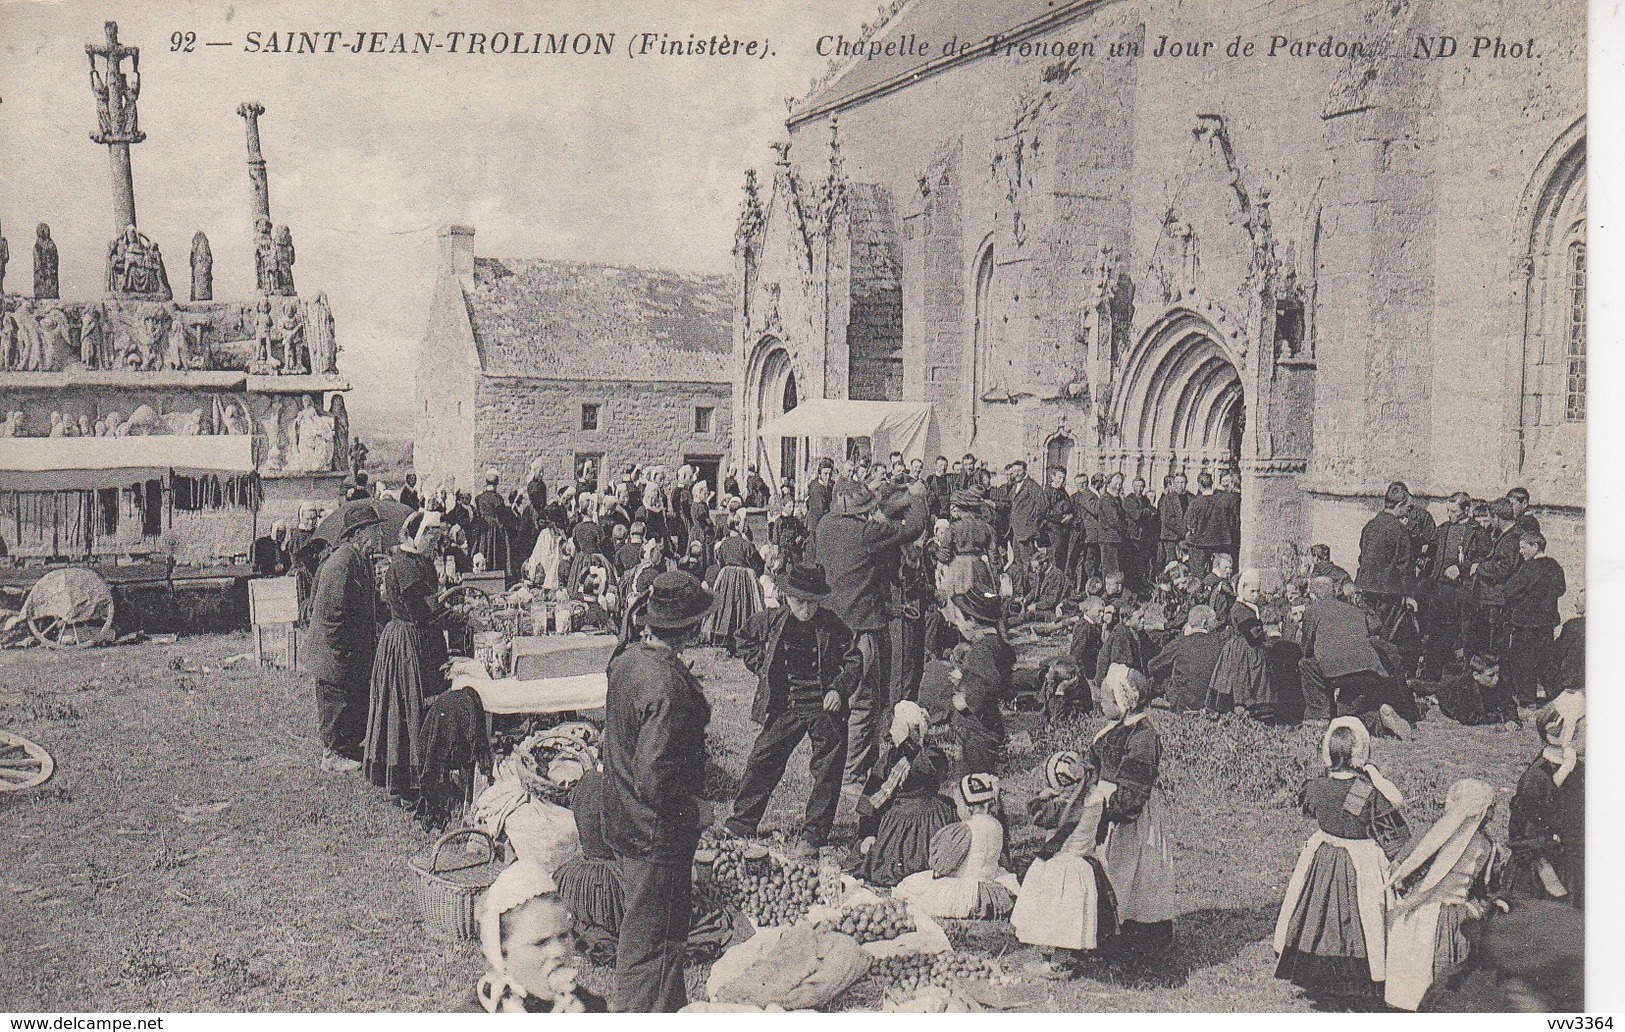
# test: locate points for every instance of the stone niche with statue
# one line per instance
(131, 356)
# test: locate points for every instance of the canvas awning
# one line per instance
(891, 426)
(93, 463)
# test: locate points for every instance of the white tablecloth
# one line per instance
(543, 695)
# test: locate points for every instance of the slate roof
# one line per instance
(934, 22)
(569, 320)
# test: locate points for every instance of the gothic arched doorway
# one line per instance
(777, 393)
(1182, 407)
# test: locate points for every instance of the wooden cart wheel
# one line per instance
(56, 633)
(23, 764)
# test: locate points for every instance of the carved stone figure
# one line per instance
(229, 418)
(202, 268)
(8, 337)
(183, 424)
(315, 434)
(149, 341)
(93, 339)
(5, 259)
(291, 331)
(84, 427)
(58, 425)
(265, 338)
(264, 257)
(45, 263)
(320, 338)
(12, 425)
(135, 267)
(55, 339)
(283, 265)
(177, 346)
(22, 331)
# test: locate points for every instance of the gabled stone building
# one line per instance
(1329, 271)
(527, 358)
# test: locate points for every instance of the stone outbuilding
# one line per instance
(527, 358)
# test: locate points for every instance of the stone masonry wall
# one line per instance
(644, 423)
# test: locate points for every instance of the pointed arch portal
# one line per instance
(1183, 406)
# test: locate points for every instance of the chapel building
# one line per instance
(1328, 272)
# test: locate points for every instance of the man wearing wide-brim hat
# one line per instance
(807, 664)
(341, 639)
(654, 763)
(860, 549)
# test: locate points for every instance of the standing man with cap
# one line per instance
(806, 665)
(860, 550)
(490, 530)
(343, 625)
(654, 763)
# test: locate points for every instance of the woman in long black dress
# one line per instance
(902, 807)
(411, 653)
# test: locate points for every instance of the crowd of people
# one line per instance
(880, 613)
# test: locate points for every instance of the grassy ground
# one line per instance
(189, 854)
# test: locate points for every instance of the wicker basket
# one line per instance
(448, 896)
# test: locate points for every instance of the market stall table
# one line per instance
(551, 674)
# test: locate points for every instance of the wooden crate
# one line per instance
(273, 611)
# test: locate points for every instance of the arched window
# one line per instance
(1554, 342)
(1574, 411)
(1058, 454)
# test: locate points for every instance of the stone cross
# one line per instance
(116, 96)
(251, 112)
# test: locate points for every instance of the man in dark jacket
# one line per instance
(1228, 499)
(1487, 633)
(1339, 662)
(1114, 533)
(1086, 528)
(806, 664)
(860, 550)
(1532, 593)
(1141, 518)
(1057, 522)
(818, 494)
(1171, 507)
(654, 763)
(1185, 665)
(1383, 577)
(938, 488)
(342, 636)
(1204, 526)
(1028, 503)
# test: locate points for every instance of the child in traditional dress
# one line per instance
(902, 807)
(1061, 692)
(1066, 901)
(1332, 934)
(1448, 881)
(1135, 842)
(967, 880)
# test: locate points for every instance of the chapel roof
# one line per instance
(572, 320)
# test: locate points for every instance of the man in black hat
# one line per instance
(654, 763)
(342, 630)
(807, 664)
(860, 549)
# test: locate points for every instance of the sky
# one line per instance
(604, 159)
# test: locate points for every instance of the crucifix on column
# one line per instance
(116, 96)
